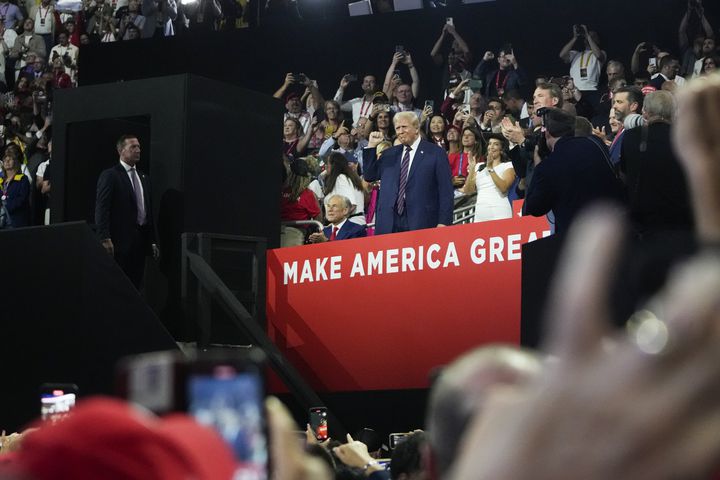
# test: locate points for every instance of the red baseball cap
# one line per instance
(110, 439)
(648, 89)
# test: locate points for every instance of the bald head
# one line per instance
(463, 387)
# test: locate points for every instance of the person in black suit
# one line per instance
(656, 185)
(122, 212)
(576, 174)
(337, 209)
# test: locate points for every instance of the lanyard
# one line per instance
(505, 81)
(43, 17)
(583, 63)
(364, 109)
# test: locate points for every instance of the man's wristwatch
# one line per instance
(491, 170)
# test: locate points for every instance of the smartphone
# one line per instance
(652, 61)
(475, 85)
(465, 108)
(352, 78)
(57, 400)
(396, 439)
(400, 49)
(227, 392)
(299, 77)
(429, 103)
(154, 380)
(319, 422)
(449, 21)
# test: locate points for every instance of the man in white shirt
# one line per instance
(585, 65)
(359, 106)
(68, 52)
(44, 17)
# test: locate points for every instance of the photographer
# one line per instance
(292, 99)
(402, 93)
(129, 15)
(160, 15)
(458, 56)
(68, 53)
(703, 44)
(26, 43)
(576, 172)
(203, 14)
(100, 14)
(507, 76)
(585, 65)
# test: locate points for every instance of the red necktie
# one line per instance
(333, 234)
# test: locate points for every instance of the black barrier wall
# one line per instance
(69, 314)
(207, 146)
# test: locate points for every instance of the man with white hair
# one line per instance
(416, 189)
(337, 210)
(656, 186)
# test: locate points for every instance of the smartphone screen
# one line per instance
(57, 400)
(318, 422)
(396, 439)
(231, 401)
(429, 103)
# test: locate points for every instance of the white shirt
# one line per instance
(343, 186)
(44, 19)
(130, 176)
(359, 106)
(414, 148)
(679, 81)
(587, 61)
(338, 226)
(9, 36)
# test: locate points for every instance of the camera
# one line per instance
(578, 30)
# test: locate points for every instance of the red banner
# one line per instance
(382, 312)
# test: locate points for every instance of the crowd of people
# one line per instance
(596, 403)
(39, 49)
(496, 135)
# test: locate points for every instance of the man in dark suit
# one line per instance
(416, 189)
(576, 174)
(122, 211)
(337, 210)
(657, 190)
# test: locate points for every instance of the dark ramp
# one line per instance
(68, 314)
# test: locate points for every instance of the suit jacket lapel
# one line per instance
(125, 179)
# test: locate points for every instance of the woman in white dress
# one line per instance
(341, 179)
(491, 180)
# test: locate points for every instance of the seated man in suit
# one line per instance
(337, 210)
